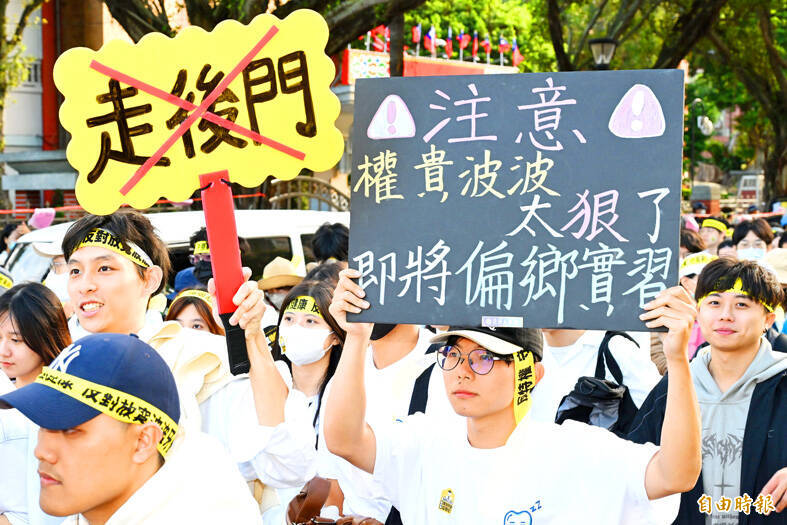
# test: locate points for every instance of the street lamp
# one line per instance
(701, 121)
(603, 50)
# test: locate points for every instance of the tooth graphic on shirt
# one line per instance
(517, 518)
(638, 115)
(392, 120)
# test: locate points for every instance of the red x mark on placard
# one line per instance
(200, 111)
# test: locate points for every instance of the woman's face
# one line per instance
(189, 317)
(17, 360)
(305, 320)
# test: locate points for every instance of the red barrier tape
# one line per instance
(162, 201)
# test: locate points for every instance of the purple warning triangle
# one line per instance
(638, 115)
(392, 120)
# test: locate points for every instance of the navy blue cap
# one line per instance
(121, 362)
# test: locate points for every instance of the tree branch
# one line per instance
(138, 19)
(690, 27)
(24, 18)
(623, 19)
(556, 35)
(586, 32)
(353, 18)
(777, 62)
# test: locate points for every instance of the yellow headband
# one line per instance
(715, 224)
(524, 381)
(105, 239)
(199, 294)
(201, 247)
(303, 303)
(114, 403)
(737, 289)
(5, 281)
(697, 258)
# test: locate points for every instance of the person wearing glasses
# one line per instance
(503, 467)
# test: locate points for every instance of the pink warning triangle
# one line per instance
(638, 115)
(392, 120)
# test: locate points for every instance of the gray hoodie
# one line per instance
(723, 423)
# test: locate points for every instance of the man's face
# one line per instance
(476, 395)
(86, 468)
(731, 322)
(710, 236)
(106, 290)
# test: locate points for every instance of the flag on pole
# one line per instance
(487, 45)
(475, 45)
(504, 46)
(416, 33)
(429, 43)
(387, 39)
(449, 44)
(517, 56)
(463, 39)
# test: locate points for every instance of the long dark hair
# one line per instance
(322, 294)
(38, 316)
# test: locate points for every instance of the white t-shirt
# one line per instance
(563, 365)
(545, 474)
(388, 394)
(13, 465)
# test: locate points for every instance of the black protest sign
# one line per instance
(537, 200)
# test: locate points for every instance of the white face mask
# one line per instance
(276, 299)
(751, 254)
(58, 284)
(303, 346)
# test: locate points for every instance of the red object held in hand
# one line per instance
(225, 261)
(222, 238)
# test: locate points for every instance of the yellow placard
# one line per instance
(147, 119)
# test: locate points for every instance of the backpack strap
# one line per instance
(421, 386)
(605, 356)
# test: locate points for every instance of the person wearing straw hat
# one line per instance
(278, 278)
(110, 450)
(503, 467)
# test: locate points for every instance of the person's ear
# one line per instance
(153, 277)
(333, 340)
(770, 317)
(539, 371)
(148, 437)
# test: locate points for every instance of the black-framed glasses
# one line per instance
(481, 360)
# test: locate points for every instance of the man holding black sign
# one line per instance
(433, 475)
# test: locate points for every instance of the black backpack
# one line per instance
(597, 401)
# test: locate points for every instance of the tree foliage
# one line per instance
(13, 62)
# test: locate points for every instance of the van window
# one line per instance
(306, 242)
(264, 250)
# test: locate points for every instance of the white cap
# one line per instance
(694, 263)
(48, 249)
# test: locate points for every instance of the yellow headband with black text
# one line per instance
(114, 403)
(304, 304)
(737, 289)
(199, 294)
(524, 382)
(106, 239)
(201, 247)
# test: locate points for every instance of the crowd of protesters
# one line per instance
(119, 406)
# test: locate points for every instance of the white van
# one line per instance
(270, 233)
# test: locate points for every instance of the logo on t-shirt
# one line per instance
(522, 517)
(446, 501)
